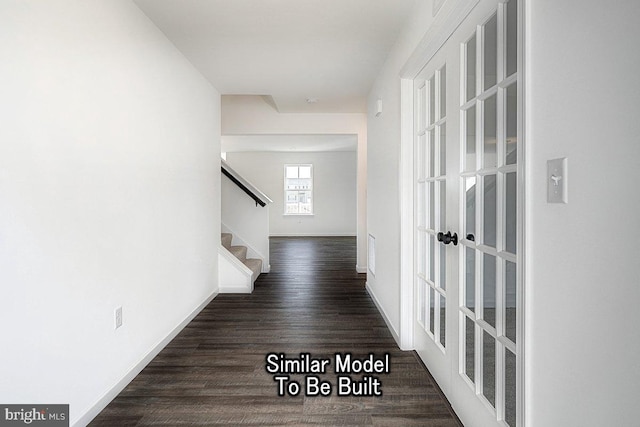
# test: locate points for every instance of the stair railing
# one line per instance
(258, 196)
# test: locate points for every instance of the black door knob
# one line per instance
(448, 238)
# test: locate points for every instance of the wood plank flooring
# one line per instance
(213, 372)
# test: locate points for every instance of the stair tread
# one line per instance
(255, 265)
(253, 262)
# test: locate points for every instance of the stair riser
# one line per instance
(227, 238)
(239, 252)
(255, 265)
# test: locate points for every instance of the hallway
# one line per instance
(312, 301)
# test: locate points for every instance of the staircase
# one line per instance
(240, 252)
(244, 250)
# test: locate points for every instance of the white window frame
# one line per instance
(310, 190)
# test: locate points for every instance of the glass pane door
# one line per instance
(431, 208)
(489, 286)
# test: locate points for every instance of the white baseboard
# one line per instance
(236, 290)
(360, 269)
(393, 331)
(102, 403)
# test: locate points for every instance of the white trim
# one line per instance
(383, 313)
(235, 290)
(360, 269)
(437, 4)
(117, 388)
(406, 216)
(237, 280)
(523, 372)
(446, 22)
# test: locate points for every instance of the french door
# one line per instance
(468, 216)
(431, 188)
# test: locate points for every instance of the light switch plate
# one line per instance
(557, 180)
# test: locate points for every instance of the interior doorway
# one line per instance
(467, 235)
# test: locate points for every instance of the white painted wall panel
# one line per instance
(109, 195)
(582, 288)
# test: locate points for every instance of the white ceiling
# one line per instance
(288, 49)
(300, 143)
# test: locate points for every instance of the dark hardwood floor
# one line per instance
(313, 301)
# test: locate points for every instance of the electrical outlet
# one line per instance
(118, 317)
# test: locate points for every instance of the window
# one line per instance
(298, 189)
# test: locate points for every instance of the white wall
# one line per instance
(582, 288)
(250, 115)
(109, 195)
(334, 190)
(383, 162)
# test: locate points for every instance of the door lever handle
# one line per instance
(448, 238)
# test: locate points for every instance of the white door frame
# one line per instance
(448, 19)
(406, 216)
(446, 22)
